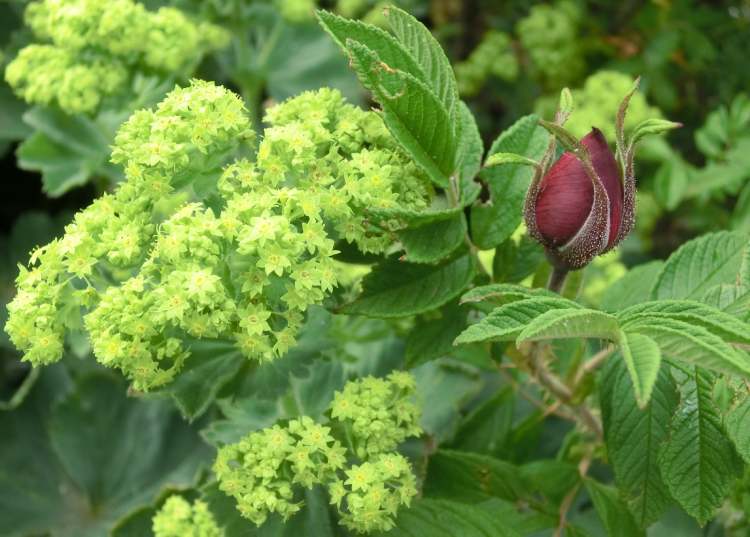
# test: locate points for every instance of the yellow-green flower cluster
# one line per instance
(178, 518)
(380, 413)
(370, 495)
(90, 48)
(262, 469)
(266, 470)
(197, 245)
(346, 162)
(549, 34)
(494, 56)
(597, 102)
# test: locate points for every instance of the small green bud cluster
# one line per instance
(549, 34)
(265, 470)
(178, 518)
(494, 56)
(190, 246)
(90, 48)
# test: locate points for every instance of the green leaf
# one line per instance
(470, 477)
(506, 322)
(700, 264)
(443, 518)
(413, 114)
(642, 358)
(488, 427)
(211, 365)
(690, 344)
(566, 138)
(12, 109)
(724, 325)
(514, 262)
(671, 182)
(433, 338)
(95, 449)
(434, 241)
(652, 126)
(503, 293)
(571, 323)
(468, 154)
(397, 289)
(494, 221)
(699, 463)
(423, 46)
(737, 425)
(242, 416)
(387, 48)
(498, 159)
(634, 436)
(613, 513)
(633, 288)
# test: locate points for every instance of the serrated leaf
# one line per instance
(503, 293)
(506, 322)
(468, 154)
(737, 424)
(698, 464)
(471, 477)
(613, 513)
(634, 436)
(434, 241)
(413, 114)
(691, 344)
(444, 518)
(571, 323)
(423, 46)
(633, 288)
(700, 264)
(724, 325)
(642, 358)
(211, 365)
(497, 159)
(494, 221)
(397, 289)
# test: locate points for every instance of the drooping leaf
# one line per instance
(698, 463)
(642, 358)
(634, 436)
(701, 264)
(494, 221)
(691, 344)
(506, 322)
(397, 289)
(571, 323)
(413, 114)
(614, 514)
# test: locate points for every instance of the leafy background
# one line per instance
(492, 462)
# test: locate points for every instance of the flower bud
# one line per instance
(583, 205)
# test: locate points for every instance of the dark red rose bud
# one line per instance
(578, 212)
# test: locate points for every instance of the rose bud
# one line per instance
(579, 213)
(583, 205)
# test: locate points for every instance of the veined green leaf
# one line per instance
(737, 424)
(434, 241)
(413, 114)
(468, 155)
(724, 325)
(691, 344)
(497, 159)
(494, 221)
(502, 293)
(698, 463)
(633, 288)
(506, 322)
(701, 264)
(642, 358)
(571, 323)
(433, 338)
(397, 289)
(423, 46)
(634, 436)
(615, 516)
(444, 518)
